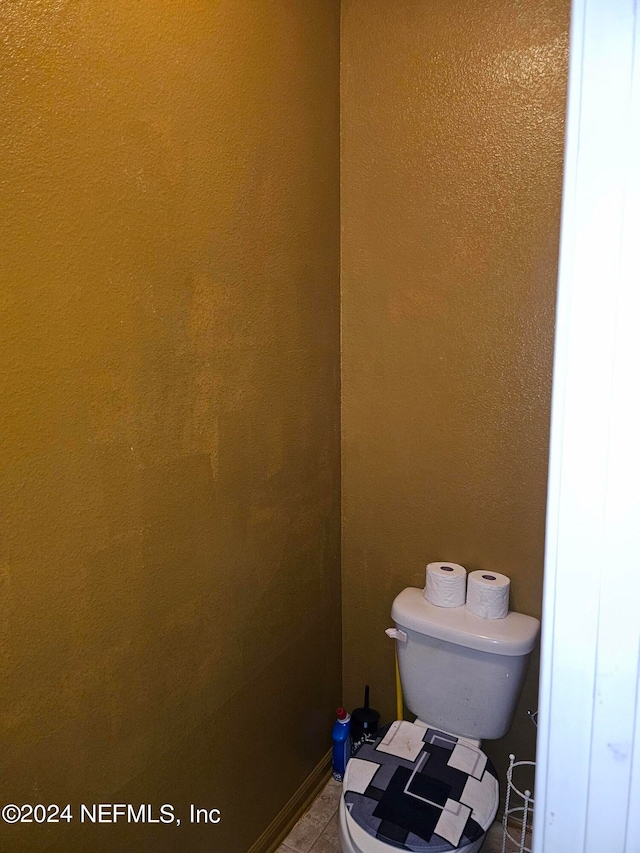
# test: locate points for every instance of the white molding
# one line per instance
(589, 723)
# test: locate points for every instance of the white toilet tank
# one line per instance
(460, 672)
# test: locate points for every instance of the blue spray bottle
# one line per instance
(341, 735)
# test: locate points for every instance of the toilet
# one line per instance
(427, 786)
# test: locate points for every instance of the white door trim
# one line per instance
(588, 773)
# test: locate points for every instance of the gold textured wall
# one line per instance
(452, 129)
(169, 485)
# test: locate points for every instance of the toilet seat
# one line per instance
(421, 789)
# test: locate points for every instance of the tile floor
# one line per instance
(317, 829)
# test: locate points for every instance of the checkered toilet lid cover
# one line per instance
(421, 789)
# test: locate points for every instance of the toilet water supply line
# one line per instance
(399, 637)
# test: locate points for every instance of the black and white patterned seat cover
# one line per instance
(421, 789)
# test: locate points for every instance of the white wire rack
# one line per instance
(517, 818)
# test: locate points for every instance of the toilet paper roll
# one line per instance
(488, 594)
(446, 584)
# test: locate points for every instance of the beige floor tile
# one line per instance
(331, 792)
(328, 841)
(309, 828)
(493, 841)
(284, 849)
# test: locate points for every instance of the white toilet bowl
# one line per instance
(419, 789)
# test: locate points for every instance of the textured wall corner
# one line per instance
(169, 495)
(452, 143)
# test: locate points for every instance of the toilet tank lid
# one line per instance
(514, 635)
